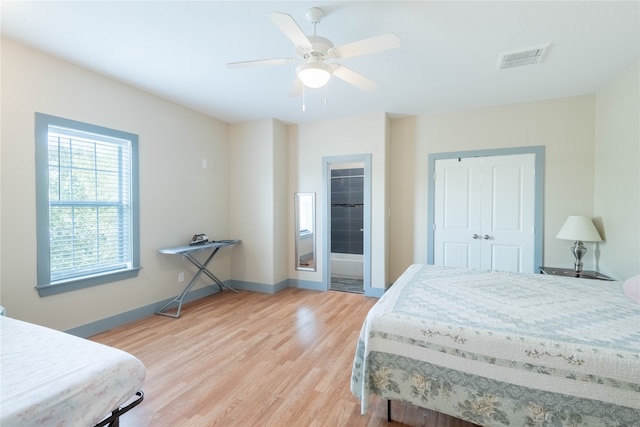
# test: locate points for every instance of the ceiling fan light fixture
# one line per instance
(314, 75)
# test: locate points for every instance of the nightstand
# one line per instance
(569, 272)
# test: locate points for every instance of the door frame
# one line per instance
(366, 212)
(537, 151)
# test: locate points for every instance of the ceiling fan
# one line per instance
(314, 51)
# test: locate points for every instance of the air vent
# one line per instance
(518, 58)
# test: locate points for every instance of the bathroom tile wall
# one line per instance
(347, 197)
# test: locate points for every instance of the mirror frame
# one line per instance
(298, 246)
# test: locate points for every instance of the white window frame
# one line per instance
(45, 285)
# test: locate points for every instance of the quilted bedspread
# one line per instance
(504, 349)
(49, 378)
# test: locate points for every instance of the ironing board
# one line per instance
(187, 252)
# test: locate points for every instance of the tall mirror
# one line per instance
(305, 206)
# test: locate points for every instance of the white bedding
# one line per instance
(50, 378)
(504, 349)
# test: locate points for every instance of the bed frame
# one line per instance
(113, 420)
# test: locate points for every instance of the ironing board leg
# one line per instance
(202, 268)
(178, 299)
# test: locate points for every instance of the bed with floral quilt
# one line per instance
(503, 349)
(51, 378)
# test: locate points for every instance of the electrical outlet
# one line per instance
(181, 277)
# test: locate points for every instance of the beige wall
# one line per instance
(617, 173)
(177, 196)
(564, 126)
(252, 200)
(282, 223)
(259, 203)
(359, 135)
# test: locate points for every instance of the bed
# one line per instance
(50, 378)
(500, 349)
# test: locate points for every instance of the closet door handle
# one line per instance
(486, 237)
(475, 236)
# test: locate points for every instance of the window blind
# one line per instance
(89, 203)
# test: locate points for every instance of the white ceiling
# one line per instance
(447, 58)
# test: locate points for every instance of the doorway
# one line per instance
(347, 234)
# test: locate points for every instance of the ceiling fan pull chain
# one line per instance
(304, 98)
(326, 96)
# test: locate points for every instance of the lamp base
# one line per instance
(578, 251)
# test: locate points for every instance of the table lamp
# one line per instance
(579, 229)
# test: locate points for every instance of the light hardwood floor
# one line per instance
(252, 359)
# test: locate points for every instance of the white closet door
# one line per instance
(457, 218)
(484, 212)
(507, 211)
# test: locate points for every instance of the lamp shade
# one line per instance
(579, 228)
(314, 75)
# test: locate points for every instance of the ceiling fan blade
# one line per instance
(261, 62)
(366, 46)
(296, 88)
(290, 29)
(351, 77)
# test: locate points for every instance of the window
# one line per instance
(86, 204)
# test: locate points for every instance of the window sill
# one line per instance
(86, 282)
